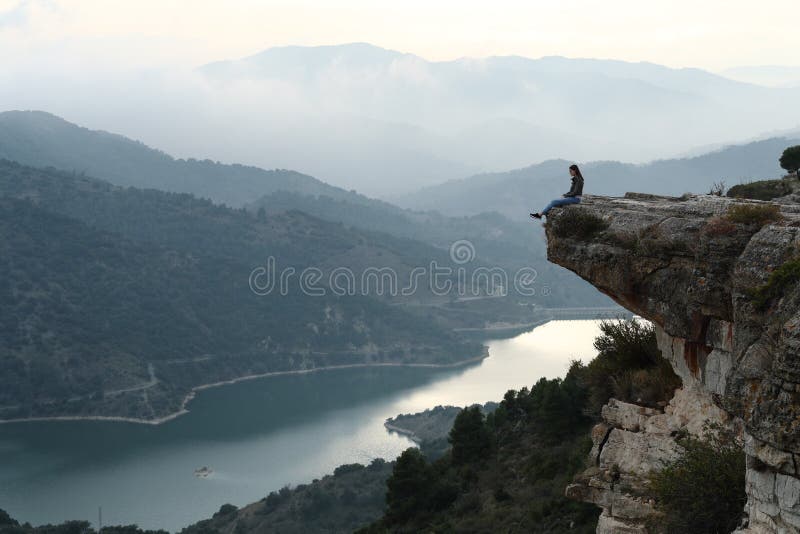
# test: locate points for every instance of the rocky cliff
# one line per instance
(717, 277)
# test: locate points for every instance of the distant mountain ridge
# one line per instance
(41, 139)
(515, 193)
(769, 75)
(501, 112)
(387, 123)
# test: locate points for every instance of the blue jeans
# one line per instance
(560, 202)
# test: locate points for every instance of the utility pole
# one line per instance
(99, 519)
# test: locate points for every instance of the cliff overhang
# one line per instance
(694, 266)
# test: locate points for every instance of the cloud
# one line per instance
(16, 16)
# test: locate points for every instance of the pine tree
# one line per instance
(469, 436)
(409, 487)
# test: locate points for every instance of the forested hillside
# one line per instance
(507, 471)
(39, 139)
(185, 222)
(341, 502)
(498, 241)
(118, 301)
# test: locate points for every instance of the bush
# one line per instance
(624, 349)
(648, 387)
(275, 499)
(778, 283)
(628, 343)
(703, 491)
(761, 190)
(759, 214)
(718, 226)
(578, 224)
(225, 509)
(717, 189)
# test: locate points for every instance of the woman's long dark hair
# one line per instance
(577, 170)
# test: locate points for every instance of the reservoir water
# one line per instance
(256, 436)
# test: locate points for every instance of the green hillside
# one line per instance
(39, 139)
(185, 222)
(498, 241)
(342, 502)
(84, 311)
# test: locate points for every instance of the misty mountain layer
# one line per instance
(387, 123)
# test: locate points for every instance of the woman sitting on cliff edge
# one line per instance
(572, 197)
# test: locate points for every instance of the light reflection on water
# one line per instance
(256, 436)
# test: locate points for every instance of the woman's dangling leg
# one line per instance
(560, 202)
(556, 203)
(551, 205)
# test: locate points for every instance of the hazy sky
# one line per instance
(117, 34)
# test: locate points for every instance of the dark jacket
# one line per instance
(577, 187)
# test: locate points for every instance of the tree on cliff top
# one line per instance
(790, 159)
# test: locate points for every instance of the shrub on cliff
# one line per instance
(778, 283)
(719, 226)
(758, 214)
(703, 490)
(628, 367)
(578, 224)
(652, 386)
(760, 190)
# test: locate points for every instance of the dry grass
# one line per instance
(719, 226)
(758, 214)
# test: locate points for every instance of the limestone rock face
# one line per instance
(631, 442)
(685, 266)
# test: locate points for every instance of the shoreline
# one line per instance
(191, 395)
(504, 328)
(403, 431)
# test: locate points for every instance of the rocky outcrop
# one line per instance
(693, 270)
(631, 442)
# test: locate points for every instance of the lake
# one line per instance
(256, 435)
